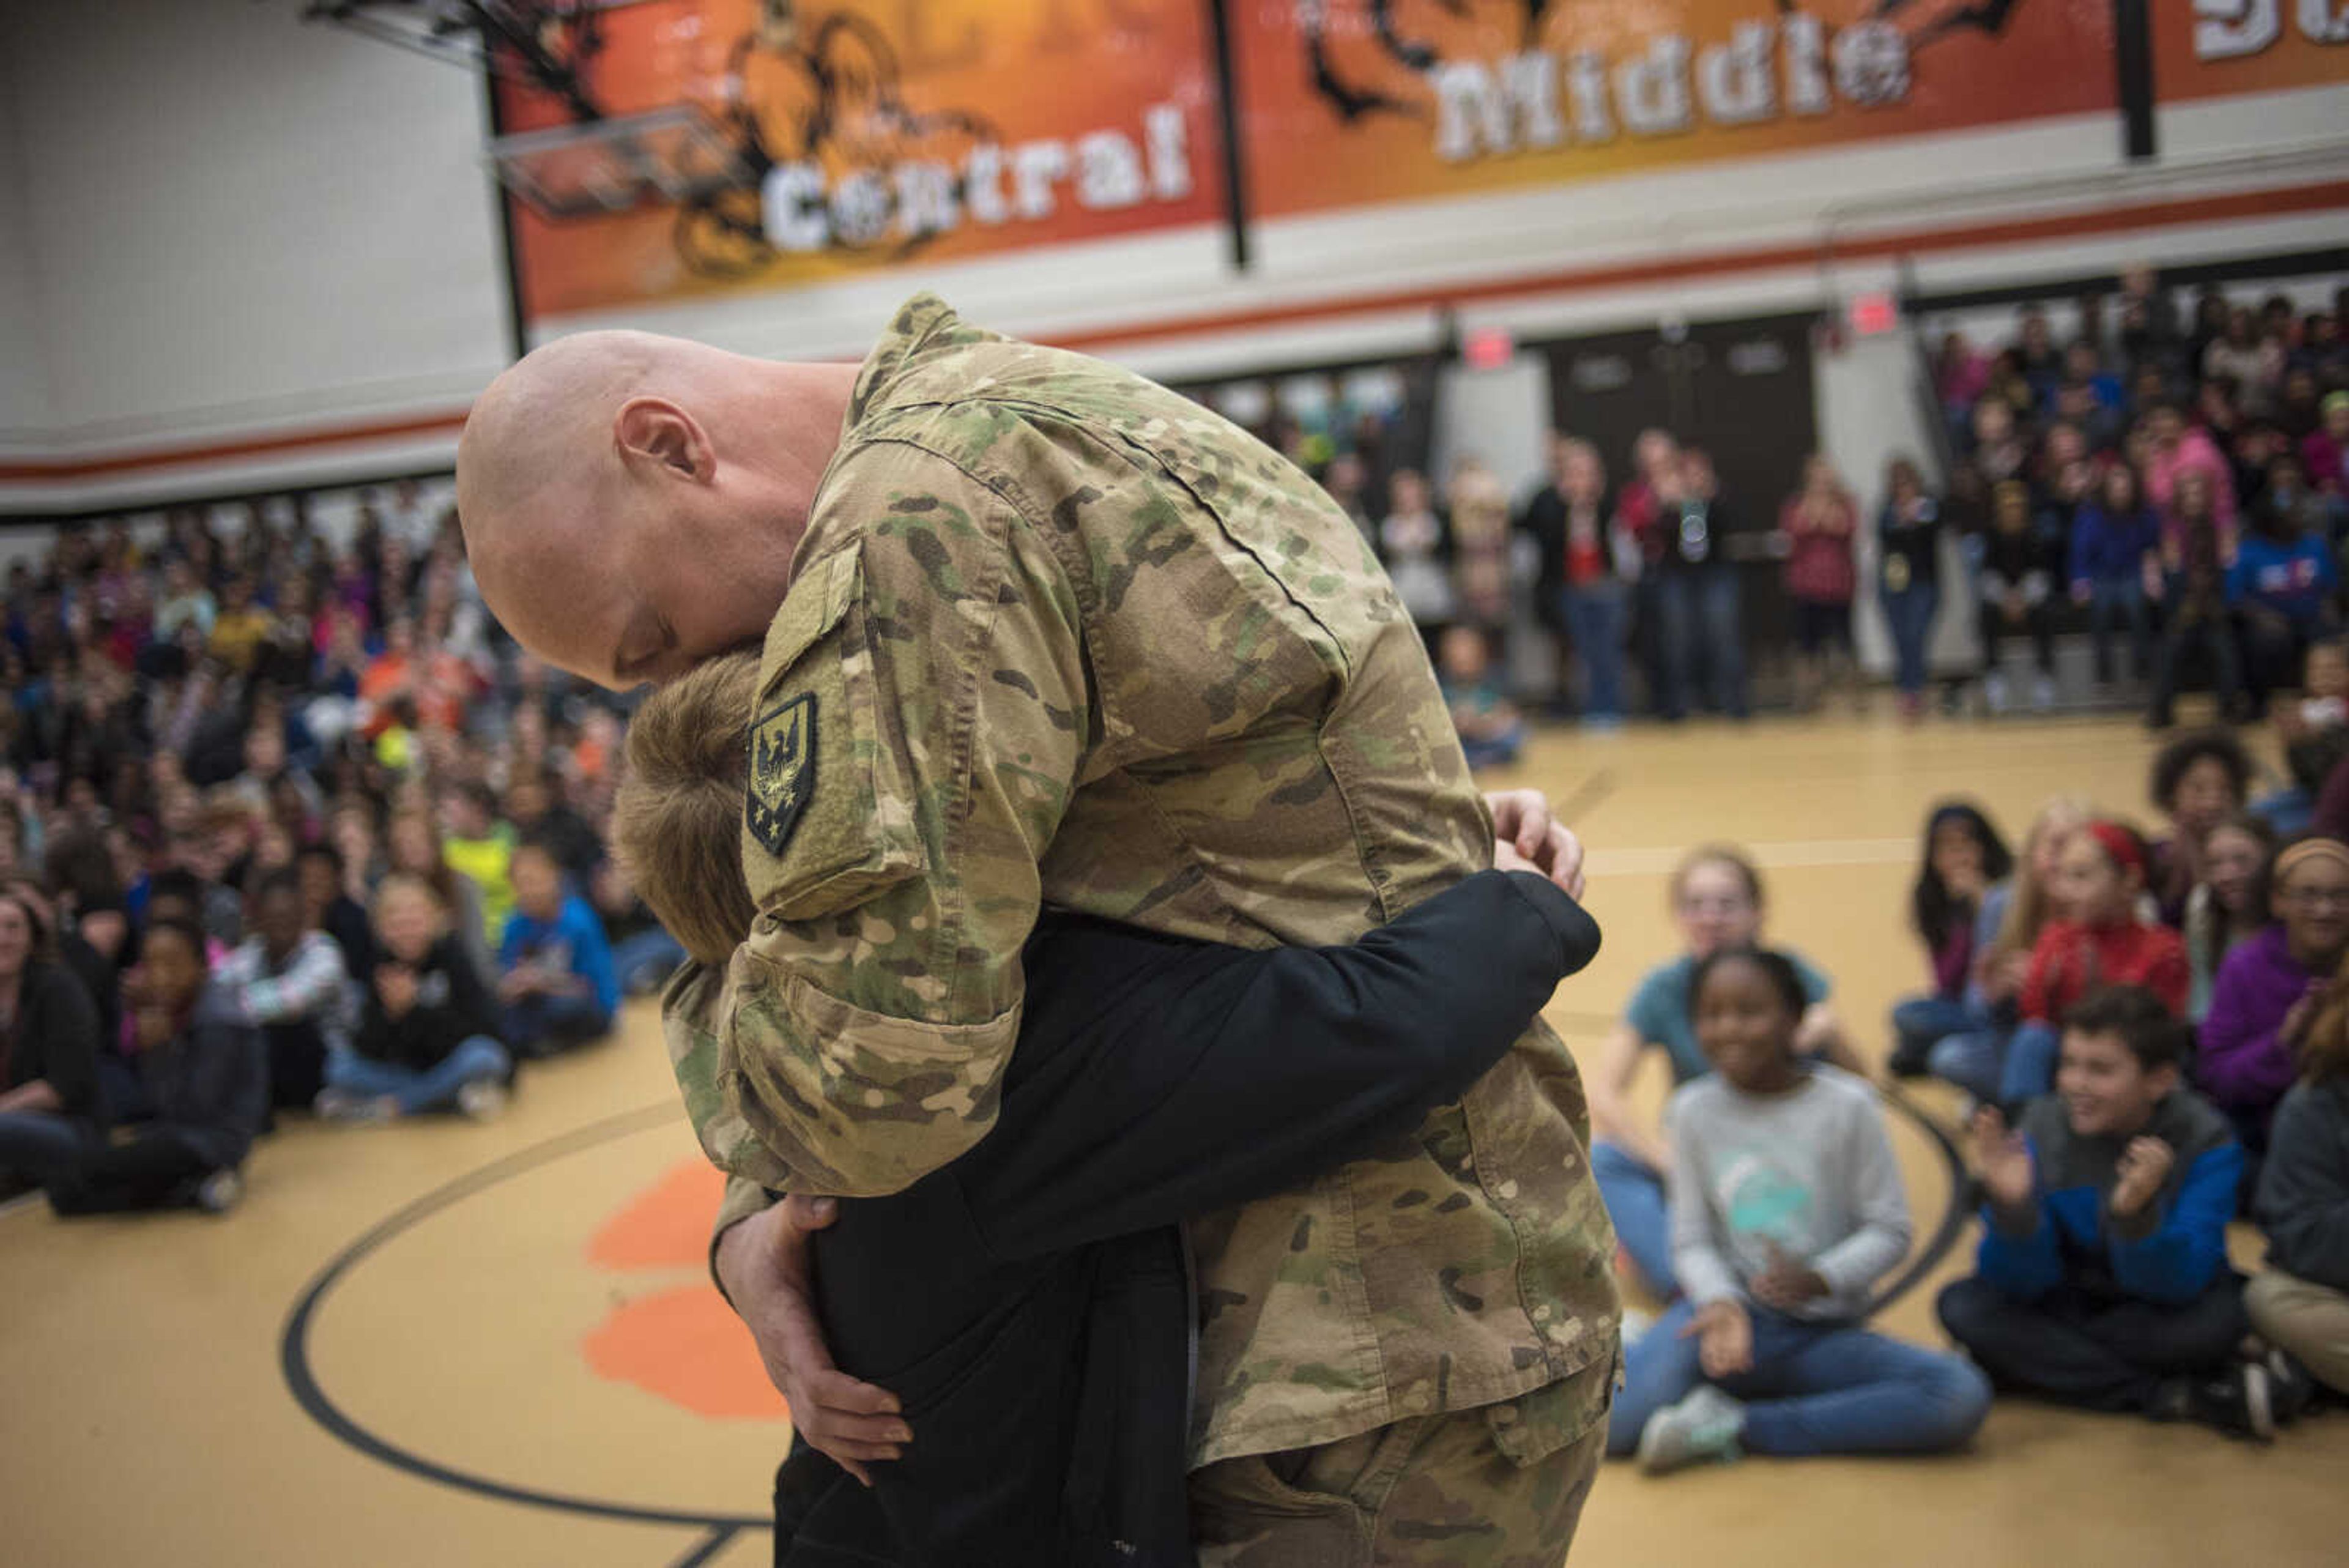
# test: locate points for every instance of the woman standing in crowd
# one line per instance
(1821, 523)
(1417, 549)
(1909, 567)
(1584, 560)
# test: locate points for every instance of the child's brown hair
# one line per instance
(677, 823)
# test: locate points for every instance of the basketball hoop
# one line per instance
(669, 156)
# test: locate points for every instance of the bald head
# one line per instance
(631, 502)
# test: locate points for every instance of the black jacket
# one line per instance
(2303, 1199)
(451, 1006)
(1031, 1304)
(55, 1038)
(211, 1083)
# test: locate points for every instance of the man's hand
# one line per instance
(1724, 1339)
(2002, 1162)
(1522, 821)
(763, 1265)
(2144, 1167)
(1788, 1282)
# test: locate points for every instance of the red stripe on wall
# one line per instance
(2323, 197)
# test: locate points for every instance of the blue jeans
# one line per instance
(430, 1088)
(1498, 750)
(644, 961)
(1633, 1192)
(1814, 1388)
(1596, 618)
(2030, 1068)
(1909, 617)
(1700, 622)
(2120, 601)
(1922, 1023)
(1972, 1061)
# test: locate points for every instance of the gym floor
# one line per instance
(468, 1344)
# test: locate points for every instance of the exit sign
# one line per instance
(1872, 315)
(1488, 348)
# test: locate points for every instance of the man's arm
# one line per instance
(920, 720)
(1161, 1080)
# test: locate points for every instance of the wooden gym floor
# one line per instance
(454, 1345)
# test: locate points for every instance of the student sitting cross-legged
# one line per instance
(1786, 1207)
(2102, 1280)
(426, 1034)
(556, 979)
(2300, 1299)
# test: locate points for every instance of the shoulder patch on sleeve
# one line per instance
(782, 769)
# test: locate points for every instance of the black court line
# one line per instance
(708, 1547)
(302, 1381)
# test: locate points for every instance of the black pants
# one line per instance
(2273, 654)
(2038, 623)
(84, 1172)
(2207, 635)
(2098, 1355)
(298, 1064)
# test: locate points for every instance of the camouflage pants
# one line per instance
(1425, 1492)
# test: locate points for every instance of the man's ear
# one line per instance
(657, 432)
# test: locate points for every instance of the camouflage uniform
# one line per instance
(1057, 634)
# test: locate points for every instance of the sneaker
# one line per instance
(482, 1099)
(358, 1110)
(218, 1193)
(2290, 1389)
(1911, 1058)
(2043, 694)
(1701, 1429)
(2239, 1402)
(1994, 693)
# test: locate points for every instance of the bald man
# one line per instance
(1048, 633)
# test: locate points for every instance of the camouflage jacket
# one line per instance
(1057, 635)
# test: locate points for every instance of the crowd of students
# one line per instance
(2167, 481)
(285, 824)
(2153, 1039)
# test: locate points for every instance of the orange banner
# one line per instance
(858, 133)
(2219, 48)
(1348, 102)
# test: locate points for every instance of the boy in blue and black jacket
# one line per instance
(2103, 1278)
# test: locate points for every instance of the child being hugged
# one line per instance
(1786, 1207)
(2300, 1303)
(1960, 900)
(1717, 902)
(2100, 941)
(2102, 1280)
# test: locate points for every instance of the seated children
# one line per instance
(1490, 729)
(2315, 734)
(2228, 907)
(2300, 1303)
(204, 1095)
(2198, 781)
(50, 1102)
(326, 908)
(2269, 989)
(426, 1034)
(289, 980)
(2099, 941)
(1717, 903)
(1972, 1059)
(556, 978)
(1960, 898)
(1153, 1078)
(1786, 1206)
(2102, 1279)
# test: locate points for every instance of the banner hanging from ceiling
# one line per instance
(2220, 48)
(854, 134)
(1348, 103)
